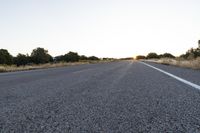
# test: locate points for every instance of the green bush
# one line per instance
(191, 54)
(21, 59)
(5, 57)
(167, 55)
(83, 57)
(93, 58)
(71, 57)
(139, 57)
(152, 56)
(40, 56)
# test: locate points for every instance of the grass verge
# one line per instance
(14, 68)
(192, 63)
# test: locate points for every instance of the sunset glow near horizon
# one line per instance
(105, 28)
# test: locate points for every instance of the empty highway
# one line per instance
(124, 97)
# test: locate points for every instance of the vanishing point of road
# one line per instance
(124, 96)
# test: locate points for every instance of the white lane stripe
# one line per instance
(175, 77)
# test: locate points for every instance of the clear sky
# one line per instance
(105, 28)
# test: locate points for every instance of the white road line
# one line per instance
(173, 76)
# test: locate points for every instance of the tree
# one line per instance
(83, 57)
(139, 57)
(167, 55)
(199, 43)
(5, 57)
(93, 58)
(191, 54)
(108, 58)
(71, 57)
(21, 59)
(59, 58)
(40, 56)
(152, 56)
(196, 52)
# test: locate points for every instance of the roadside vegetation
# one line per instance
(192, 63)
(191, 59)
(40, 58)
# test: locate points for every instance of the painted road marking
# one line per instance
(174, 76)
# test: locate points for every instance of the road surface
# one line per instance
(123, 96)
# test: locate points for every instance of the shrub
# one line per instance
(5, 57)
(21, 59)
(59, 58)
(40, 56)
(191, 54)
(71, 57)
(152, 56)
(93, 58)
(139, 57)
(83, 57)
(167, 55)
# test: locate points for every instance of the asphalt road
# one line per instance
(112, 97)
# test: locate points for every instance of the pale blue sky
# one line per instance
(113, 28)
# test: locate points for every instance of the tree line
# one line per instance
(41, 56)
(153, 55)
(190, 54)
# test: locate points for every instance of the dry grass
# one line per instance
(13, 68)
(193, 63)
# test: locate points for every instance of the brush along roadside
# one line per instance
(192, 63)
(13, 68)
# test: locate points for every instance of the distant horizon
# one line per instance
(107, 28)
(96, 55)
